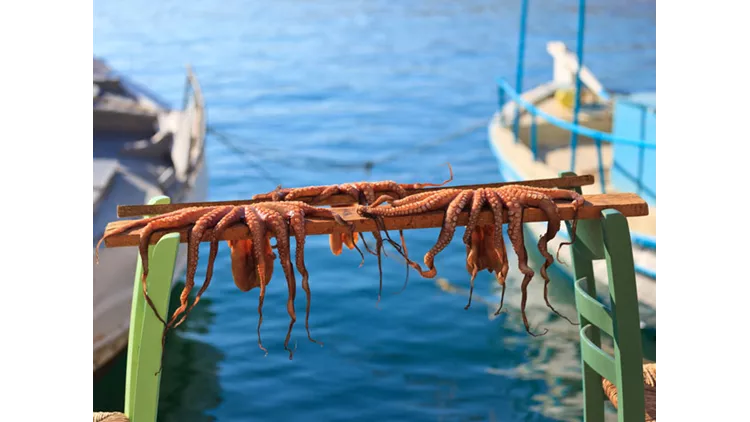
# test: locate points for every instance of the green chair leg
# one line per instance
(625, 316)
(143, 377)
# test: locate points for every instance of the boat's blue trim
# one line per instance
(648, 272)
(644, 241)
(581, 130)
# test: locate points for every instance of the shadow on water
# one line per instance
(549, 366)
(189, 387)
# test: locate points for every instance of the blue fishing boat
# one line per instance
(572, 123)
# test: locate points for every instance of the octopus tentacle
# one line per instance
(472, 261)
(327, 193)
(234, 216)
(553, 226)
(304, 191)
(297, 224)
(401, 188)
(494, 256)
(278, 194)
(515, 232)
(397, 202)
(320, 212)
(167, 223)
(478, 201)
(406, 254)
(498, 211)
(369, 192)
(430, 203)
(446, 233)
(280, 231)
(260, 241)
(424, 185)
(140, 223)
(369, 196)
(578, 202)
(206, 221)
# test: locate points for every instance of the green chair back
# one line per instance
(609, 239)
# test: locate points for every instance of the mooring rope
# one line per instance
(253, 152)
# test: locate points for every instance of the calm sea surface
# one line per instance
(315, 89)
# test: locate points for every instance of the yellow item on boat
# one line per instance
(566, 97)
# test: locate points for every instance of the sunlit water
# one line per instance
(354, 81)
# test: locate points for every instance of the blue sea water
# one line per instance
(346, 82)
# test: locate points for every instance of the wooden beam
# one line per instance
(629, 204)
(558, 182)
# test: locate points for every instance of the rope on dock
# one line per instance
(649, 391)
(110, 417)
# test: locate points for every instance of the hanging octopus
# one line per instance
(252, 259)
(363, 193)
(485, 244)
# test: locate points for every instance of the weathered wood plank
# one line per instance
(557, 182)
(629, 204)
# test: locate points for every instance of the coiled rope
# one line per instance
(649, 391)
(110, 417)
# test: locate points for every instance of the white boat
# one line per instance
(142, 148)
(538, 134)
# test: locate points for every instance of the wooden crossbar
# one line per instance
(557, 182)
(629, 204)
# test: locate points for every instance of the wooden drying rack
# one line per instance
(628, 204)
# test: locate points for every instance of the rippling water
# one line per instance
(356, 81)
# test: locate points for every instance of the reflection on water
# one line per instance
(554, 357)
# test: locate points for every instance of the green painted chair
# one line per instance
(143, 375)
(623, 373)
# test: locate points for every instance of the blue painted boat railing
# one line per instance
(507, 93)
(505, 90)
